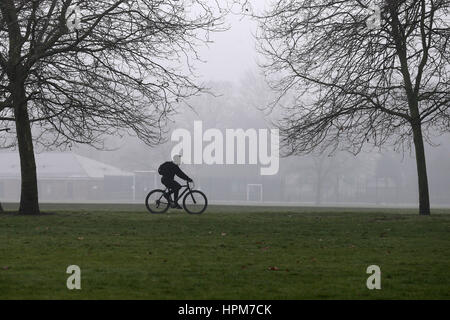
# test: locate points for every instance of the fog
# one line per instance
(374, 177)
(127, 171)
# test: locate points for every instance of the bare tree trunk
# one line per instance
(29, 192)
(424, 200)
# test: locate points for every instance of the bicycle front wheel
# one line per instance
(156, 202)
(195, 202)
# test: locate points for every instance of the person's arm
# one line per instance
(182, 175)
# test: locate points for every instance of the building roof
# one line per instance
(54, 165)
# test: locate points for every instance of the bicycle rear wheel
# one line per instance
(156, 202)
(195, 202)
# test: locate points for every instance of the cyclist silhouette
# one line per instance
(169, 170)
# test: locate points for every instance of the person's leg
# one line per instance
(175, 186)
(167, 184)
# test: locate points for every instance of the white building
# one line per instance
(66, 176)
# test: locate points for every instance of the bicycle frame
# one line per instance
(186, 191)
(186, 187)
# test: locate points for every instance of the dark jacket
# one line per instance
(169, 169)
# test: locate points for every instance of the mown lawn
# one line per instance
(226, 253)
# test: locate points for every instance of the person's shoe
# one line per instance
(176, 206)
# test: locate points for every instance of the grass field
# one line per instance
(226, 253)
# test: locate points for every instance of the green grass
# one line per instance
(226, 253)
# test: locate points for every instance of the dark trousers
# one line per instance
(173, 186)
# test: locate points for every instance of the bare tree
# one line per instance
(356, 82)
(75, 71)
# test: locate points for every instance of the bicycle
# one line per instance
(194, 202)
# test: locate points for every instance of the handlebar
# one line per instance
(187, 184)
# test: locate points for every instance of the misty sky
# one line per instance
(231, 52)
